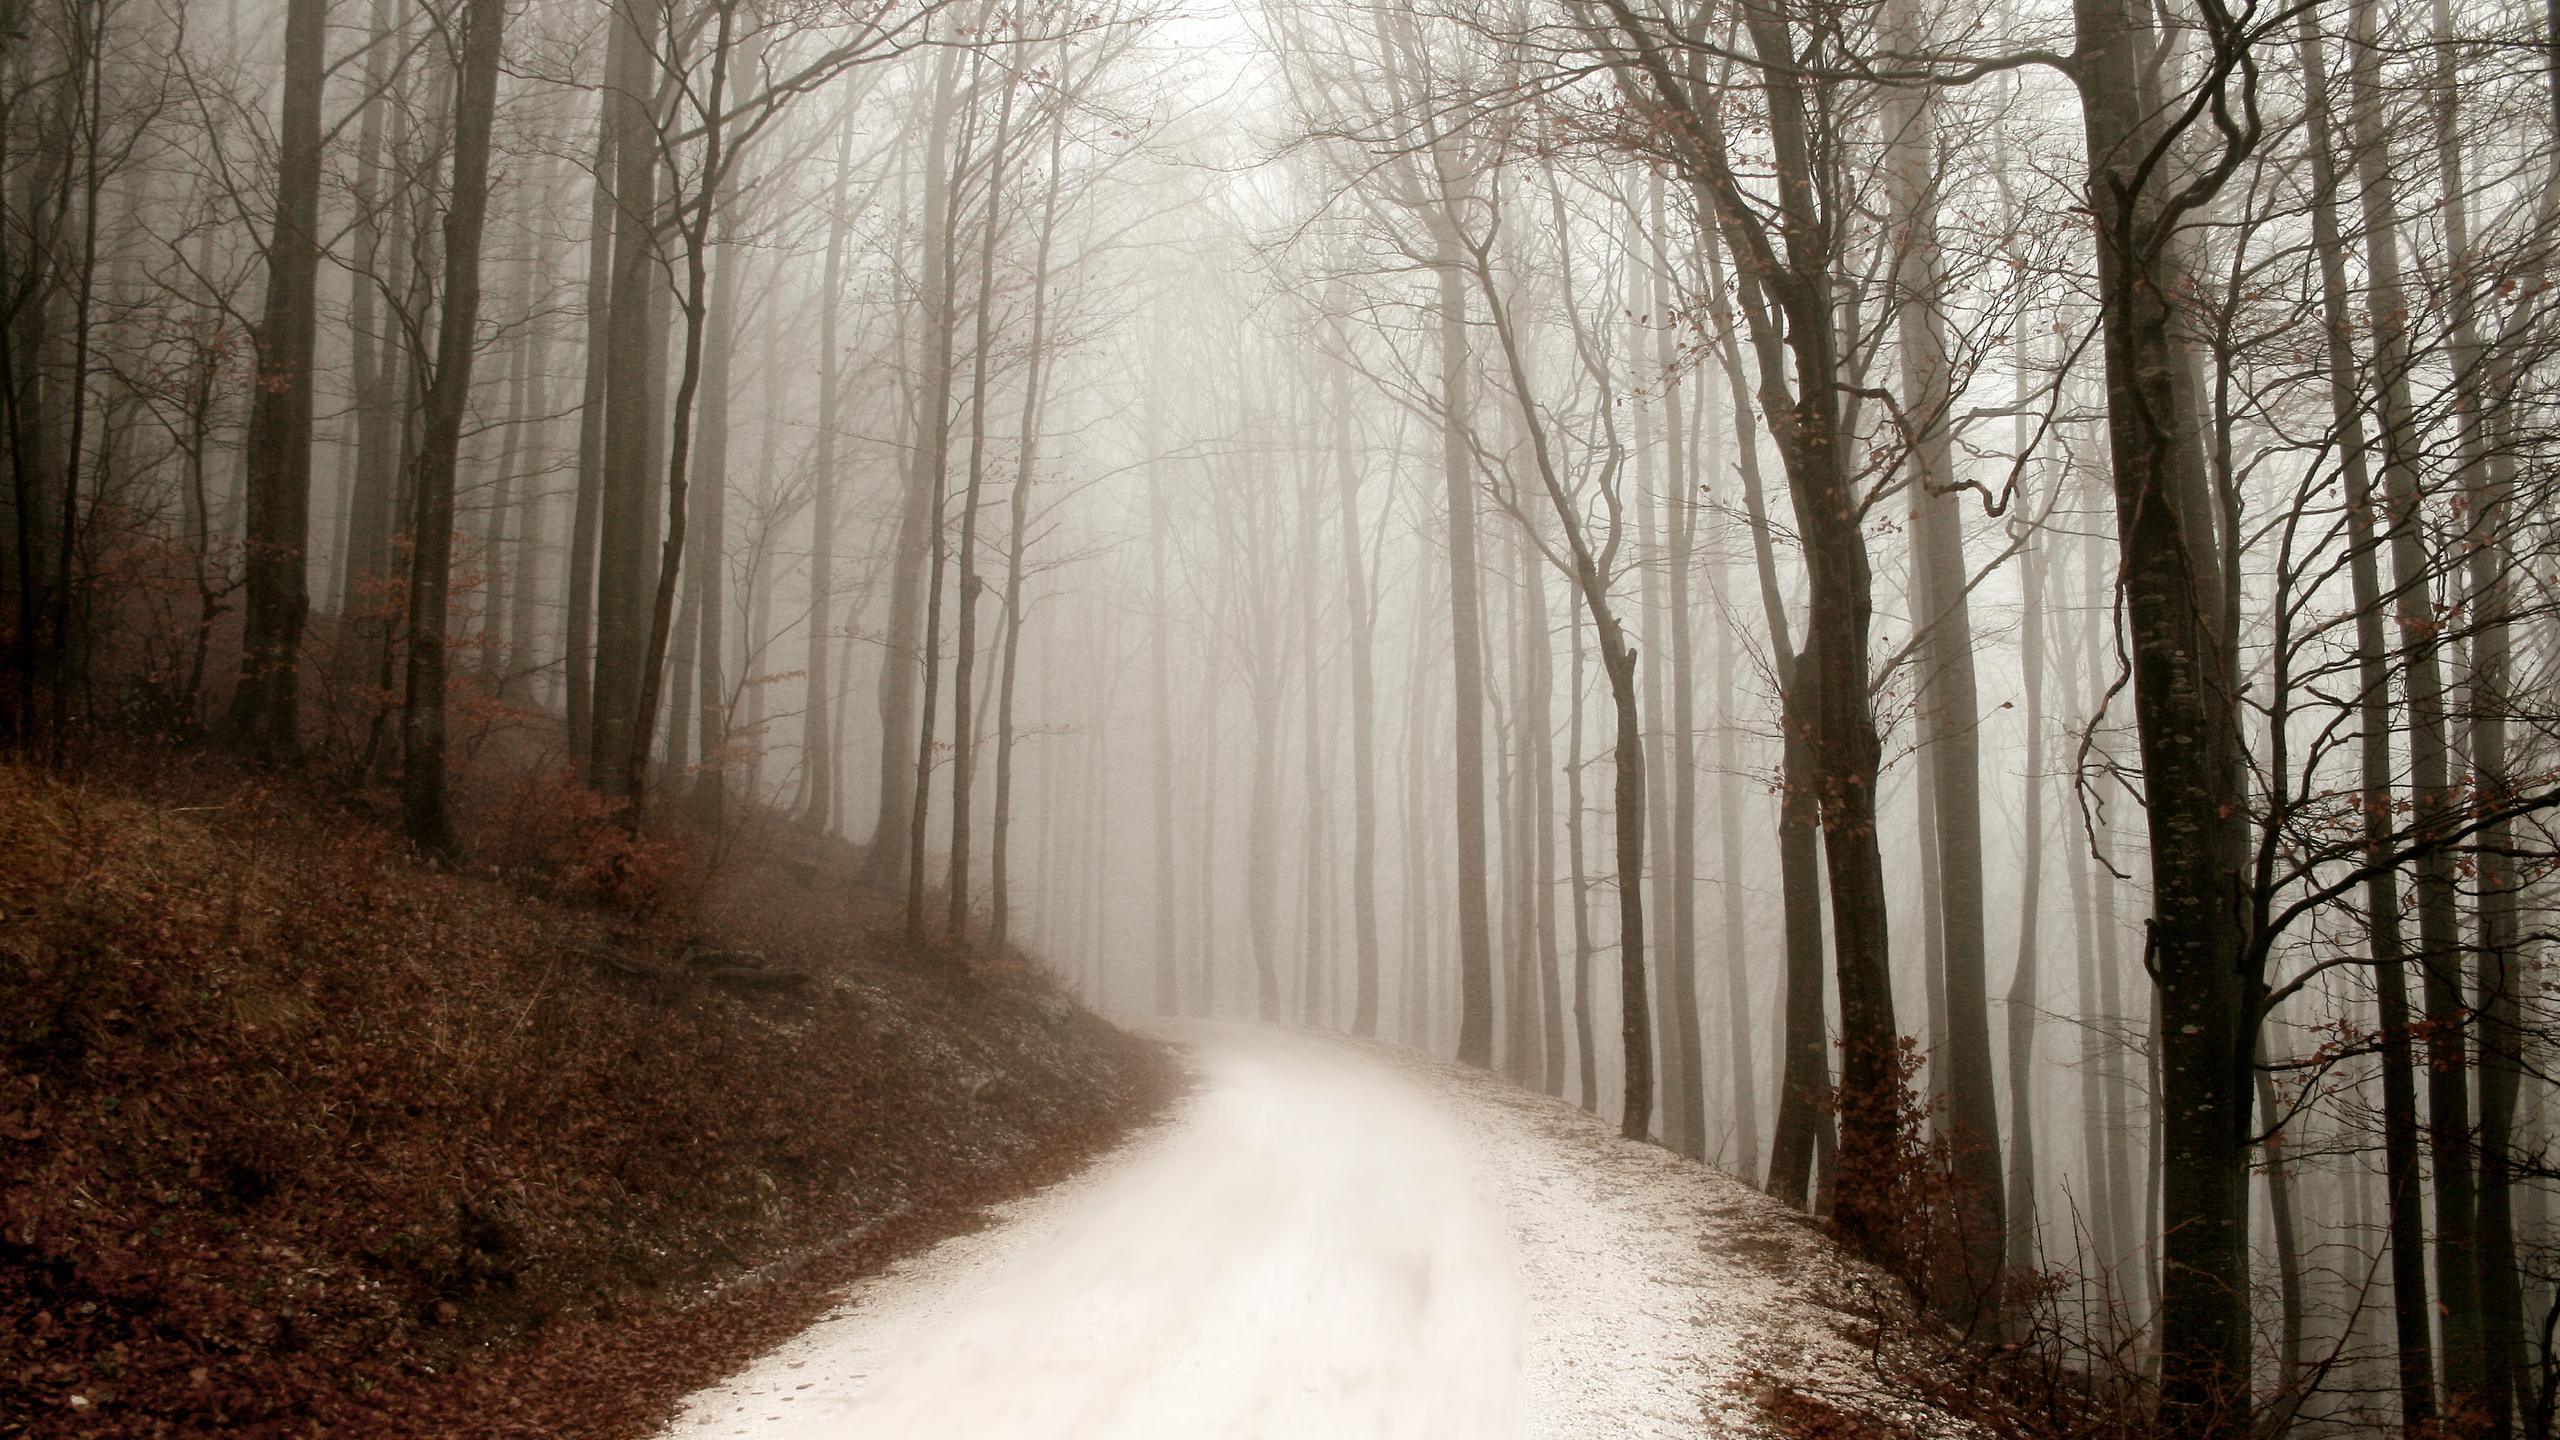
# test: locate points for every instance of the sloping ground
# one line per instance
(1347, 1241)
(299, 1137)
(1668, 1298)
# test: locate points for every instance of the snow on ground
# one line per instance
(1330, 1242)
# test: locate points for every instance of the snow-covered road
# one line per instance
(1327, 1242)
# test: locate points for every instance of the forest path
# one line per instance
(1329, 1241)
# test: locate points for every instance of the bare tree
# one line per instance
(422, 718)
(265, 717)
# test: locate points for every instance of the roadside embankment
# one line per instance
(299, 1135)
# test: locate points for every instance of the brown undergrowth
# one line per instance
(2054, 1353)
(299, 1136)
(1948, 1354)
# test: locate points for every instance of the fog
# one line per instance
(1659, 553)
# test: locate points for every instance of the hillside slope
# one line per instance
(298, 1136)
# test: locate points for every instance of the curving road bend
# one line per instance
(1332, 1241)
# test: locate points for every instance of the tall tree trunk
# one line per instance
(635, 364)
(2023, 1006)
(2432, 795)
(35, 462)
(2107, 1247)
(1510, 822)
(848, 638)
(2023, 1003)
(1359, 612)
(523, 629)
(1844, 748)
(409, 371)
(1017, 539)
(1000, 840)
(1634, 1023)
(1538, 728)
(1670, 1043)
(693, 221)
(1420, 851)
(999, 869)
(2481, 498)
(577, 642)
(422, 729)
(1586, 947)
(934, 450)
(1168, 749)
(1261, 858)
(1210, 694)
(759, 579)
(66, 409)
(1804, 1079)
(1786, 289)
(369, 520)
(266, 715)
(2514, 1385)
(964, 658)
(2185, 708)
(2129, 1213)
(919, 517)
(1316, 816)
(495, 603)
(1679, 521)
(2291, 1362)
(2496, 934)
(817, 734)
(708, 572)
(1592, 583)
(1933, 911)
(1466, 643)
(1948, 722)
(2405, 1228)
(1738, 949)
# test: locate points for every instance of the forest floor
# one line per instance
(1345, 1240)
(300, 1135)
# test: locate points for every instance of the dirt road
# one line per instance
(1329, 1242)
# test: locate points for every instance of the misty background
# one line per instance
(1336, 514)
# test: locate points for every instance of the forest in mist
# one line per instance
(1946, 607)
